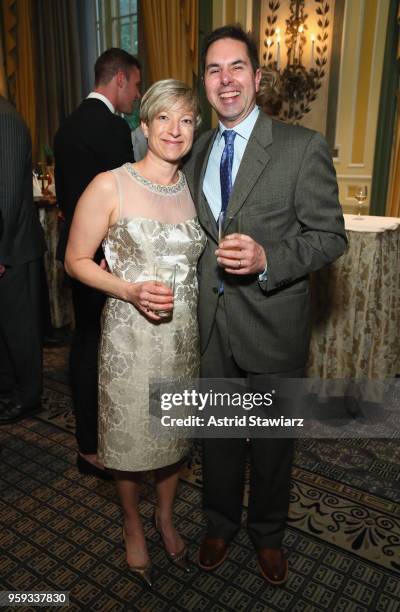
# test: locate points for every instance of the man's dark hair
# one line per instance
(237, 33)
(112, 61)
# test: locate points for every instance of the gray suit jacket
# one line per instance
(286, 193)
(21, 235)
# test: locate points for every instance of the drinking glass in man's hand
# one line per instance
(228, 224)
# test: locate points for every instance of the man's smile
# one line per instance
(229, 94)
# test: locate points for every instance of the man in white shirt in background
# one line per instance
(91, 140)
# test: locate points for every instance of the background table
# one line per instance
(59, 292)
(356, 305)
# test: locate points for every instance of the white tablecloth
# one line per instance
(370, 223)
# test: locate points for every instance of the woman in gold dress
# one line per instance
(143, 215)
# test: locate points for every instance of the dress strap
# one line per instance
(117, 179)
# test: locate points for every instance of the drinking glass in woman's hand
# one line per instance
(150, 297)
(164, 273)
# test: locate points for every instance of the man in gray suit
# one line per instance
(21, 249)
(279, 180)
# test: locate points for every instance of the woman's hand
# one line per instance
(149, 297)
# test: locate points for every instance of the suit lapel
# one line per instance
(253, 163)
(204, 212)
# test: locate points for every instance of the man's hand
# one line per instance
(104, 265)
(2, 270)
(240, 254)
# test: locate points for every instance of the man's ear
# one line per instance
(257, 78)
(120, 78)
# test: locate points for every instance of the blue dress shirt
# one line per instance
(212, 184)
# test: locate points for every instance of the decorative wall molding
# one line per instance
(297, 55)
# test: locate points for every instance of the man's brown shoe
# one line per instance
(273, 565)
(212, 552)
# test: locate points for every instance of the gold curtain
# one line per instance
(59, 57)
(108, 10)
(170, 34)
(20, 56)
(42, 60)
(9, 10)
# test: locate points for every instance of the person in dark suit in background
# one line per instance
(92, 140)
(21, 250)
(254, 307)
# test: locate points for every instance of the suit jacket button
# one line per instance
(215, 289)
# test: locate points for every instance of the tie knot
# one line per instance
(229, 136)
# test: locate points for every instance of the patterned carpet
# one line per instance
(60, 531)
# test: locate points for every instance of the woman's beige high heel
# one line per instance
(180, 558)
(144, 572)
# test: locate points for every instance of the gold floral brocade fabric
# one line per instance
(157, 224)
(356, 305)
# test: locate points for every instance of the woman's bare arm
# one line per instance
(96, 211)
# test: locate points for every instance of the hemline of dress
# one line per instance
(180, 458)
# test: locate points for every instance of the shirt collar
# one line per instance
(244, 128)
(99, 96)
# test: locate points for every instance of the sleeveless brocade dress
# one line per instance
(156, 223)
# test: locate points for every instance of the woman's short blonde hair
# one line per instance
(165, 94)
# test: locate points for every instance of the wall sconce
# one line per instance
(295, 57)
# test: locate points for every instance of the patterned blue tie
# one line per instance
(225, 173)
(225, 169)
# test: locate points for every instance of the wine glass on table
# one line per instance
(360, 195)
(43, 177)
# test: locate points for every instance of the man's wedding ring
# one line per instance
(240, 264)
